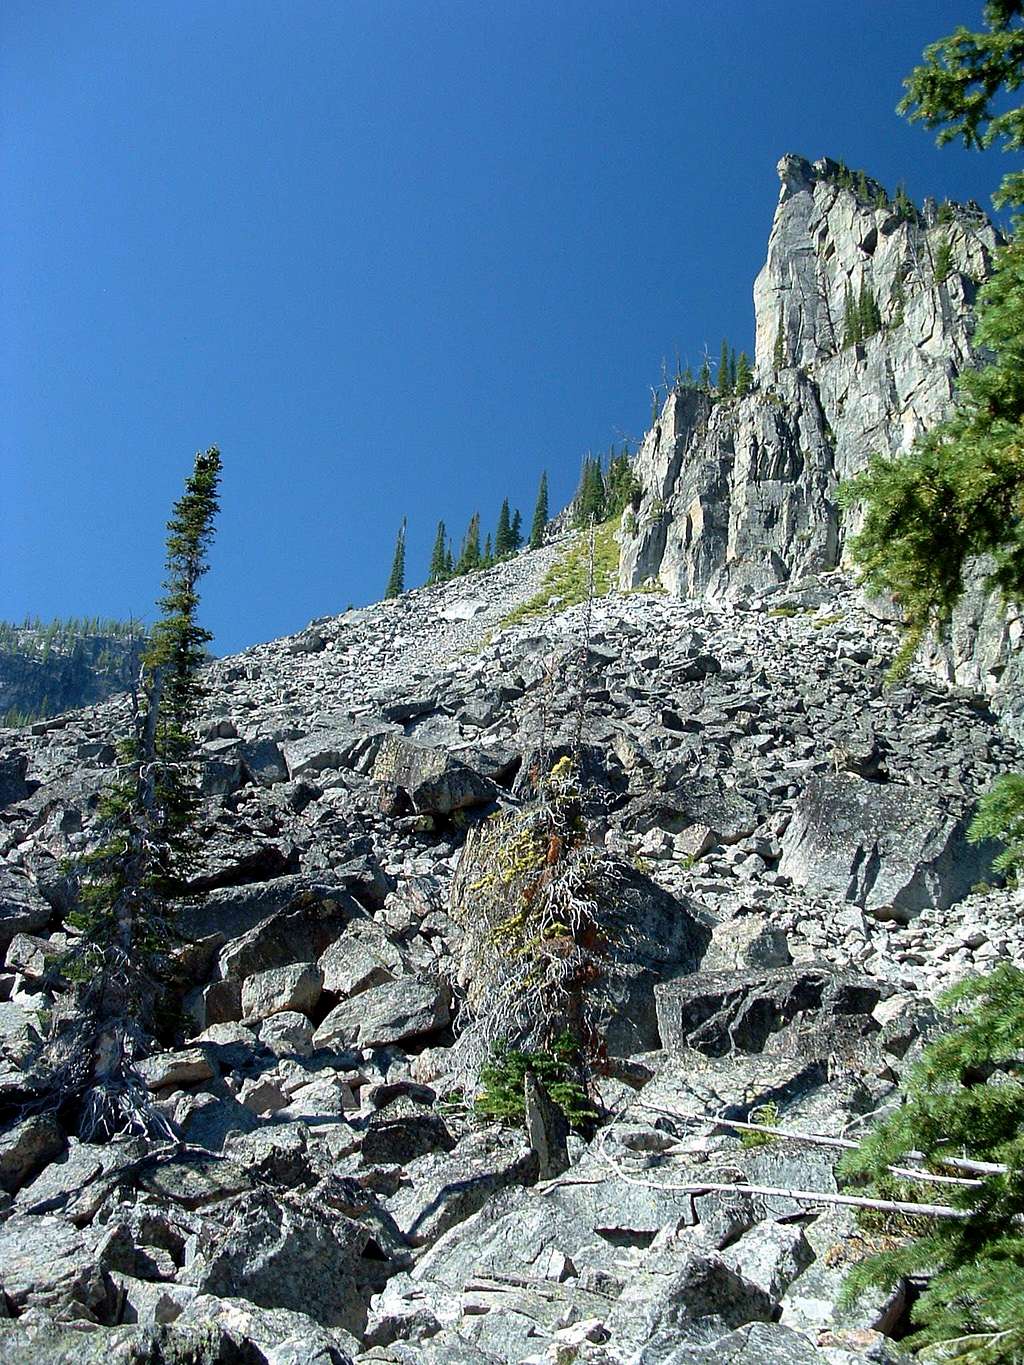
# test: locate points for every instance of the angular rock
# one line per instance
(890, 849)
(435, 781)
(295, 988)
(26, 1148)
(390, 1013)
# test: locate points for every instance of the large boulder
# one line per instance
(22, 908)
(717, 1013)
(279, 1257)
(892, 850)
(13, 786)
(388, 1013)
(435, 781)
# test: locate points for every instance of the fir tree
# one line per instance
(540, 514)
(862, 190)
(589, 503)
(779, 353)
(620, 483)
(943, 260)
(516, 531)
(487, 558)
(724, 387)
(852, 325)
(870, 319)
(704, 377)
(503, 546)
(396, 579)
(123, 888)
(732, 370)
(469, 556)
(439, 570)
(744, 377)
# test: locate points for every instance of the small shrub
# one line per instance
(784, 611)
(558, 1068)
(768, 1114)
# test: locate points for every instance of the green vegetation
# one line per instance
(568, 579)
(768, 1115)
(441, 566)
(861, 315)
(396, 579)
(37, 639)
(540, 514)
(1000, 816)
(124, 887)
(963, 1099)
(943, 265)
(558, 1068)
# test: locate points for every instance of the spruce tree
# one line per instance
(516, 531)
(540, 514)
(123, 888)
(744, 376)
(438, 571)
(724, 387)
(779, 353)
(704, 377)
(503, 536)
(469, 556)
(943, 260)
(396, 579)
(589, 503)
(853, 330)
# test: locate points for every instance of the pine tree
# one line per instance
(396, 579)
(438, 571)
(704, 377)
(123, 888)
(517, 530)
(862, 190)
(943, 260)
(963, 1099)
(853, 330)
(724, 387)
(487, 558)
(779, 354)
(469, 556)
(868, 317)
(589, 503)
(540, 514)
(503, 546)
(744, 377)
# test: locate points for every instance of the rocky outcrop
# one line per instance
(740, 494)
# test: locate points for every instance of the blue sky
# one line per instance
(394, 258)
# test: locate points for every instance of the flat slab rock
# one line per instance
(892, 850)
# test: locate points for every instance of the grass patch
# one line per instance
(784, 611)
(569, 577)
(768, 1114)
(820, 622)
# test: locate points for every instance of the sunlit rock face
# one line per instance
(739, 495)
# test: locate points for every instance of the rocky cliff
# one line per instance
(740, 494)
(784, 844)
(45, 670)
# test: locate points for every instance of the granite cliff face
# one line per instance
(739, 495)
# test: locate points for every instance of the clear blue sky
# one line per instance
(394, 258)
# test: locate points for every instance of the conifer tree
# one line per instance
(438, 571)
(123, 888)
(744, 377)
(396, 579)
(704, 377)
(868, 317)
(517, 530)
(589, 504)
(943, 260)
(779, 354)
(732, 370)
(724, 387)
(469, 556)
(540, 514)
(503, 536)
(487, 558)
(853, 330)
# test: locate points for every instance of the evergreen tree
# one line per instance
(852, 329)
(962, 1099)
(943, 260)
(396, 579)
(869, 318)
(469, 556)
(732, 370)
(724, 387)
(517, 530)
(744, 376)
(439, 570)
(589, 503)
(123, 888)
(487, 558)
(449, 562)
(862, 190)
(540, 514)
(503, 546)
(704, 377)
(779, 353)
